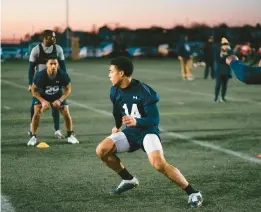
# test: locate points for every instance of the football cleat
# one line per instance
(32, 141)
(195, 200)
(125, 185)
(72, 139)
(58, 134)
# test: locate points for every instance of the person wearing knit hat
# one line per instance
(223, 72)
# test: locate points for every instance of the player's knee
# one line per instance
(65, 112)
(104, 149)
(37, 112)
(64, 109)
(158, 164)
(101, 151)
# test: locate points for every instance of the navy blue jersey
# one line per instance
(51, 89)
(140, 101)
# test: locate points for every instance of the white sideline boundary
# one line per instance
(6, 206)
(174, 135)
(206, 95)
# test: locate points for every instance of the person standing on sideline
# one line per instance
(37, 62)
(185, 57)
(135, 106)
(257, 57)
(209, 57)
(223, 72)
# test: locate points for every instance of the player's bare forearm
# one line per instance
(67, 92)
(36, 94)
(45, 105)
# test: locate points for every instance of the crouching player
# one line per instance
(135, 106)
(47, 91)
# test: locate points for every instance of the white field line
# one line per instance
(7, 107)
(190, 92)
(6, 206)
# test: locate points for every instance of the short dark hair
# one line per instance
(48, 32)
(123, 64)
(52, 57)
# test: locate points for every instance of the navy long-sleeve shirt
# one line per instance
(184, 50)
(245, 73)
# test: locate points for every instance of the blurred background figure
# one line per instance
(185, 57)
(257, 57)
(243, 51)
(119, 47)
(116, 46)
(209, 57)
(223, 72)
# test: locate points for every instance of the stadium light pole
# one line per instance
(67, 27)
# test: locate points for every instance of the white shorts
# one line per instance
(151, 142)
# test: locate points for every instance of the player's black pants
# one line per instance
(209, 66)
(221, 83)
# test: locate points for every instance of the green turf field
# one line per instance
(214, 145)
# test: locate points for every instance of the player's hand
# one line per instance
(179, 58)
(115, 130)
(45, 105)
(56, 104)
(29, 88)
(230, 58)
(129, 121)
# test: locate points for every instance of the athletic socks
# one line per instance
(125, 175)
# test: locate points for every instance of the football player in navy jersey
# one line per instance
(135, 106)
(47, 91)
